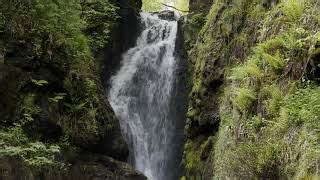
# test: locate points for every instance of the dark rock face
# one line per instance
(16, 86)
(123, 38)
(200, 5)
(167, 15)
(314, 67)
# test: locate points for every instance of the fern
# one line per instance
(293, 9)
(244, 98)
(14, 143)
(39, 82)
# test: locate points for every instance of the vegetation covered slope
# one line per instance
(52, 102)
(254, 104)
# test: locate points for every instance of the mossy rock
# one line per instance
(260, 52)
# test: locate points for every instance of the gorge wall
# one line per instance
(253, 106)
(254, 101)
(55, 120)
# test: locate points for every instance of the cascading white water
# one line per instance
(141, 96)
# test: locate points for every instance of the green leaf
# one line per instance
(39, 82)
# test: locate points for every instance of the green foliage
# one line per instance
(194, 150)
(58, 97)
(279, 130)
(271, 58)
(269, 113)
(295, 133)
(100, 17)
(272, 103)
(14, 143)
(251, 69)
(301, 107)
(197, 20)
(62, 33)
(56, 35)
(244, 98)
(212, 16)
(275, 61)
(50, 26)
(39, 82)
(293, 9)
(254, 160)
(285, 145)
(29, 108)
(81, 118)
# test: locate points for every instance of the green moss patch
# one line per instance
(268, 106)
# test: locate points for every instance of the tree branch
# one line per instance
(174, 8)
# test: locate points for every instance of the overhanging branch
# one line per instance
(174, 8)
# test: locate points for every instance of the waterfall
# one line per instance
(143, 94)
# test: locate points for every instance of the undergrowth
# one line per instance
(269, 105)
(59, 36)
(35, 154)
(269, 110)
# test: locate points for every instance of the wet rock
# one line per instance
(313, 68)
(124, 36)
(200, 5)
(167, 15)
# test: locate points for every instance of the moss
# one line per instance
(293, 9)
(260, 50)
(244, 98)
(219, 43)
(259, 135)
(191, 25)
(195, 157)
(270, 152)
(250, 69)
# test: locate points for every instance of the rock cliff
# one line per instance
(252, 106)
(54, 116)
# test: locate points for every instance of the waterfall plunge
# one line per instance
(141, 95)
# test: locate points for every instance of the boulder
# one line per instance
(167, 15)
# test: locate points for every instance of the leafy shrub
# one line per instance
(14, 143)
(100, 17)
(57, 35)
